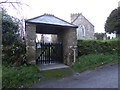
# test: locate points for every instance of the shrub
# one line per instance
(13, 47)
(86, 47)
(15, 54)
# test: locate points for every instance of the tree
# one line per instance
(16, 4)
(14, 49)
(100, 36)
(17, 7)
(13, 45)
(112, 24)
(9, 29)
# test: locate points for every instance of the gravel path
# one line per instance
(102, 77)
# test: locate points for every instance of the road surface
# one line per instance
(102, 77)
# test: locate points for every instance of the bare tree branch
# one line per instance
(17, 5)
(6, 2)
(10, 2)
(13, 6)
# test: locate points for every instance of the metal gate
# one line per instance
(47, 53)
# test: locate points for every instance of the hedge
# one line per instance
(86, 47)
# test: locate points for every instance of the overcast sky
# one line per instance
(96, 11)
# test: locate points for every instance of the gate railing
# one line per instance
(49, 53)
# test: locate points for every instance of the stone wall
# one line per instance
(79, 19)
(30, 42)
(69, 39)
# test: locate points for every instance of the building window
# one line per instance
(80, 32)
(82, 28)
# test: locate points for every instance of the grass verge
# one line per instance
(56, 73)
(18, 77)
(92, 61)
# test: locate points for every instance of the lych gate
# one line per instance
(48, 53)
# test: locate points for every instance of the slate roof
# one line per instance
(50, 19)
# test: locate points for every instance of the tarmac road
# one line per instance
(102, 77)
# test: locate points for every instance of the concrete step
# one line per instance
(43, 67)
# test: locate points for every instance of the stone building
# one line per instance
(85, 30)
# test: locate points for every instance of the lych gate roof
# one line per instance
(50, 19)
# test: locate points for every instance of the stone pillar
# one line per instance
(30, 43)
(60, 36)
(69, 39)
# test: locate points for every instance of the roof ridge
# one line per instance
(87, 19)
(48, 14)
(34, 17)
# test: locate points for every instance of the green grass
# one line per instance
(57, 73)
(92, 61)
(18, 77)
(0, 72)
(114, 39)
